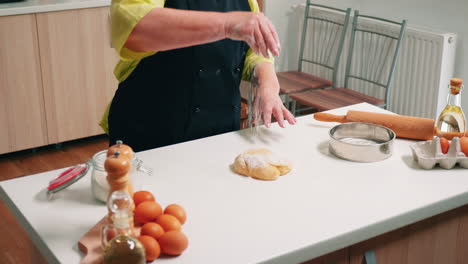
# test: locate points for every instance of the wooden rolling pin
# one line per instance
(404, 126)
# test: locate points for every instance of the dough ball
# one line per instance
(261, 164)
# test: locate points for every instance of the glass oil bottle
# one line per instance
(452, 118)
(120, 247)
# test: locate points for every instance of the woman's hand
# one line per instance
(267, 100)
(255, 29)
(269, 103)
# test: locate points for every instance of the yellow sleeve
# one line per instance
(104, 122)
(125, 15)
(252, 59)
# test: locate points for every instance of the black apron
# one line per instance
(182, 94)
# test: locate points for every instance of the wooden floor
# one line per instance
(15, 246)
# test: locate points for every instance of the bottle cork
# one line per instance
(456, 82)
(455, 85)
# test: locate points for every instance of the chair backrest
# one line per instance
(372, 55)
(324, 33)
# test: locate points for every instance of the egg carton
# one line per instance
(428, 154)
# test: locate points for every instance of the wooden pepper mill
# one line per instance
(118, 173)
(124, 151)
(118, 177)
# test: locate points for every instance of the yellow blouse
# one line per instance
(125, 14)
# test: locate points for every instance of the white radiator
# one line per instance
(423, 72)
(424, 67)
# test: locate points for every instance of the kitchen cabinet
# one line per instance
(22, 114)
(462, 238)
(338, 257)
(77, 64)
(439, 239)
(56, 76)
(388, 248)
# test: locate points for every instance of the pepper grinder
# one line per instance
(118, 177)
(124, 151)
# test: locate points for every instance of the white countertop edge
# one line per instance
(370, 231)
(300, 255)
(32, 234)
(355, 233)
(41, 8)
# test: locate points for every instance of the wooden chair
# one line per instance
(324, 31)
(372, 58)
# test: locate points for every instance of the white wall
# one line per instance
(446, 15)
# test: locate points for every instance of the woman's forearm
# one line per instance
(266, 78)
(268, 100)
(165, 29)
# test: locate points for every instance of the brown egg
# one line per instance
(152, 229)
(168, 222)
(464, 145)
(173, 242)
(142, 196)
(444, 145)
(147, 211)
(177, 211)
(152, 248)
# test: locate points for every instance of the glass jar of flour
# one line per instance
(99, 185)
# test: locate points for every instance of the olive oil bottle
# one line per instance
(452, 118)
(120, 247)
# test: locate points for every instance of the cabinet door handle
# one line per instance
(369, 257)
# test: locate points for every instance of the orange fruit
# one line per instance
(142, 196)
(464, 145)
(147, 211)
(177, 211)
(152, 248)
(444, 145)
(173, 242)
(168, 222)
(152, 229)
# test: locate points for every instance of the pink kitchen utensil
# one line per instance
(66, 178)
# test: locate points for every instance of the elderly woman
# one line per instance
(181, 63)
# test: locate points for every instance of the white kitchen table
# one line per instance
(324, 204)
